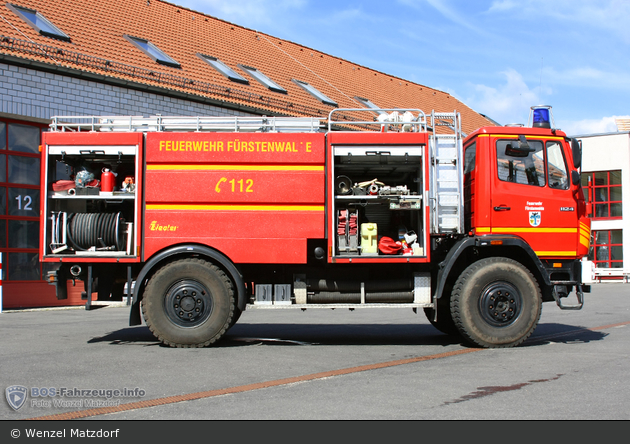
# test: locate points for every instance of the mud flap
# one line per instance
(59, 279)
(134, 314)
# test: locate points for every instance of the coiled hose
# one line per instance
(99, 230)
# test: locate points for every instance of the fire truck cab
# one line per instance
(208, 217)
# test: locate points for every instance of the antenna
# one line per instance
(541, 70)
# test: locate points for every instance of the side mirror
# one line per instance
(576, 147)
(575, 178)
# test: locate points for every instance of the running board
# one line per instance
(350, 307)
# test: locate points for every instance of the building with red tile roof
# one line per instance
(147, 57)
(96, 47)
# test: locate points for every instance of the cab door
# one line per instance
(532, 196)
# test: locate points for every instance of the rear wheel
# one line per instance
(188, 303)
(235, 317)
(496, 302)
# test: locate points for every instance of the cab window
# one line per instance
(526, 168)
(556, 167)
(469, 158)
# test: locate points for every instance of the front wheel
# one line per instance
(444, 321)
(189, 303)
(496, 302)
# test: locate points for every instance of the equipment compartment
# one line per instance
(91, 204)
(378, 193)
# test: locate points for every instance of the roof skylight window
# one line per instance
(266, 81)
(152, 51)
(40, 23)
(314, 92)
(223, 69)
(368, 104)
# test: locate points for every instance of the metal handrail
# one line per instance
(184, 123)
(420, 121)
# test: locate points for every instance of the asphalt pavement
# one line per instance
(366, 364)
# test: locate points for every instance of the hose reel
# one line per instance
(89, 231)
(102, 231)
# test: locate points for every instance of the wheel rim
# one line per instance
(188, 303)
(500, 304)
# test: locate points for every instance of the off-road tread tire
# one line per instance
(444, 322)
(235, 317)
(162, 328)
(464, 303)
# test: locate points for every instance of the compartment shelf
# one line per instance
(112, 197)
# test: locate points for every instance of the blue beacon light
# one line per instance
(541, 117)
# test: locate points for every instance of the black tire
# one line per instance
(188, 303)
(444, 321)
(496, 303)
(235, 317)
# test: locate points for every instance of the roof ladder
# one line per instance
(185, 123)
(445, 174)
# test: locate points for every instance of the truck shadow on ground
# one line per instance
(563, 334)
(336, 334)
(242, 335)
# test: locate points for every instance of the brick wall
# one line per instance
(32, 93)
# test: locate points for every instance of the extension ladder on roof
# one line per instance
(185, 123)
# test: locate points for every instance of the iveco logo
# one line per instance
(567, 209)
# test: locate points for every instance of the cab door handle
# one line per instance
(502, 208)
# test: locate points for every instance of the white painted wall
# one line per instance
(607, 152)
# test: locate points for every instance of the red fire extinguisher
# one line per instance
(107, 180)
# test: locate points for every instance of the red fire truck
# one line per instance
(205, 217)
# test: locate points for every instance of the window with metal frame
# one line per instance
(315, 92)
(603, 189)
(368, 104)
(263, 79)
(223, 68)
(19, 200)
(38, 22)
(152, 51)
(607, 249)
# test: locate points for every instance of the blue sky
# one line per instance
(497, 56)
